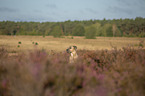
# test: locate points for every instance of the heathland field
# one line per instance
(49, 43)
(96, 72)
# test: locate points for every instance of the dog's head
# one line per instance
(71, 49)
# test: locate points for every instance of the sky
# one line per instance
(63, 10)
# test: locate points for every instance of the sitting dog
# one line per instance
(73, 53)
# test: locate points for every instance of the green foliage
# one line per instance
(98, 28)
(115, 31)
(108, 28)
(90, 33)
(18, 46)
(19, 42)
(68, 27)
(78, 31)
(36, 43)
(56, 31)
(109, 32)
(142, 34)
(14, 32)
(1, 33)
(118, 33)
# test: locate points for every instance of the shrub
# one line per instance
(19, 42)
(3, 73)
(96, 73)
(18, 46)
(36, 43)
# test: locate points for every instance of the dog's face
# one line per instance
(71, 49)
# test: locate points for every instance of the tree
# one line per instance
(56, 31)
(114, 29)
(106, 30)
(118, 33)
(68, 27)
(90, 33)
(98, 29)
(14, 32)
(78, 31)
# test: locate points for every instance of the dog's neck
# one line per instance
(73, 54)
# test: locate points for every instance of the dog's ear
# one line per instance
(67, 50)
(75, 47)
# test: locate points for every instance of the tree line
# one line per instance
(91, 28)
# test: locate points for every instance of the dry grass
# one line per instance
(60, 44)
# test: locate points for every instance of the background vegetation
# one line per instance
(96, 73)
(108, 28)
(90, 33)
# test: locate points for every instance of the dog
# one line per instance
(73, 54)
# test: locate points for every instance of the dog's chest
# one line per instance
(74, 55)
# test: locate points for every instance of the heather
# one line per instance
(116, 72)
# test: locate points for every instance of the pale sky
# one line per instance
(62, 10)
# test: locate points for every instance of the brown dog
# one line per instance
(73, 53)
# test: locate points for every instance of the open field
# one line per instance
(96, 72)
(60, 44)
